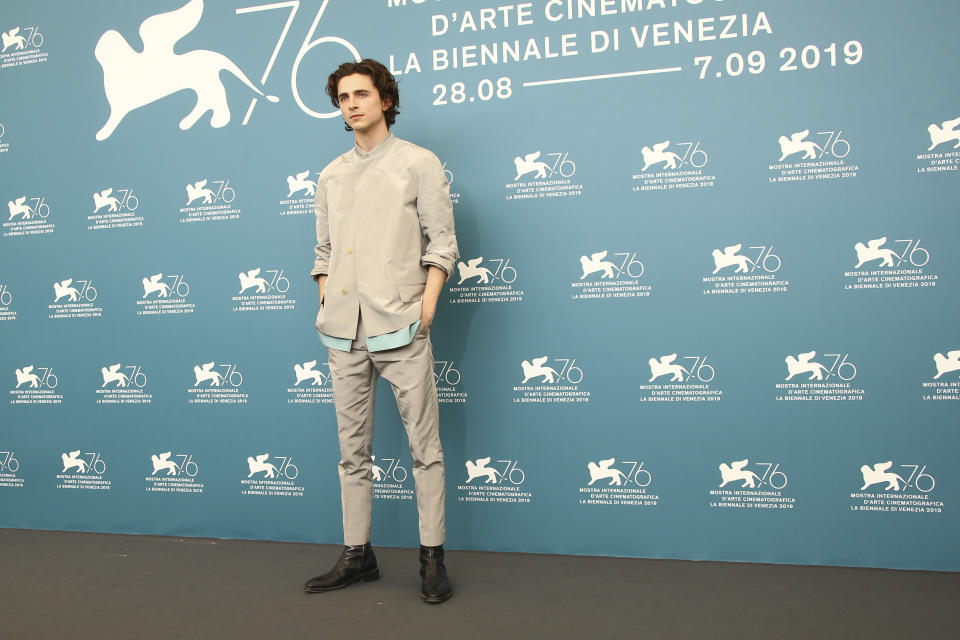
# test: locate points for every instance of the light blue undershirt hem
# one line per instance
(400, 338)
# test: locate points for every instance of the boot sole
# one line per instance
(435, 599)
(369, 576)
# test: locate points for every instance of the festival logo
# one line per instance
(9, 466)
(259, 293)
(64, 288)
(210, 203)
(543, 175)
(311, 384)
(307, 372)
(665, 169)
(946, 132)
(300, 191)
(13, 38)
(946, 363)
(216, 384)
(547, 381)
(737, 271)
(29, 216)
(74, 298)
(86, 471)
(278, 477)
(901, 488)
(4, 146)
(28, 377)
(498, 481)
(165, 294)
(626, 483)
(114, 209)
(105, 199)
(22, 46)
(173, 473)
(817, 381)
(945, 384)
(680, 379)
(808, 157)
(6, 300)
(943, 154)
(123, 385)
(618, 276)
(879, 266)
(757, 486)
(300, 182)
(162, 462)
(485, 280)
(19, 207)
(390, 480)
(874, 250)
(199, 70)
(35, 385)
(447, 378)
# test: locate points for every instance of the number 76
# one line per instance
(305, 48)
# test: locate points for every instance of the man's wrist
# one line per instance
(426, 316)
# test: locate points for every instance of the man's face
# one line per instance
(360, 103)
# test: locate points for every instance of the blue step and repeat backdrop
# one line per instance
(706, 306)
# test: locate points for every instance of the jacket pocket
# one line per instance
(411, 292)
(402, 270)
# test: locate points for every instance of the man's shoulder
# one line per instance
(414, 153)
(337, 163)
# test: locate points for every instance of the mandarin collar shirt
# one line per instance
(383, 217)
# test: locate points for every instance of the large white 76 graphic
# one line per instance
(305, 48)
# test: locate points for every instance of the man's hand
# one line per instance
(431, 293)
(322, 282)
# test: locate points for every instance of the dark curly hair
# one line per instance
(381, 77)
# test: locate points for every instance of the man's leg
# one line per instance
(409, 370)
(354, 382)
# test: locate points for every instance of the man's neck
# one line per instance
(368, 140)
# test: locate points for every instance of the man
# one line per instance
(385, 246)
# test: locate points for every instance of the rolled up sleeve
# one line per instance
(321, 261)
(436, 216)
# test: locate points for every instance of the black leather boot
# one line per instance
(357, 562)
(436, 586)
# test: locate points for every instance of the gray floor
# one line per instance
(79, 586)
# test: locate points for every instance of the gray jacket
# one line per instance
(383, 217)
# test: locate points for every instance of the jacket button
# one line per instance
(349, 252)
(343, 291)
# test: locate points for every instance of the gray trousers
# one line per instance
(409, 370)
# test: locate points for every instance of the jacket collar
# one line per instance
(376, 151)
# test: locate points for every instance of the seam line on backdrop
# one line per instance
(644, 72)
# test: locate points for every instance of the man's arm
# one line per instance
(436, 216)
(321, 261)
(436, 223)
(431, 293)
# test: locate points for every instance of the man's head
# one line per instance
(348, 84)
